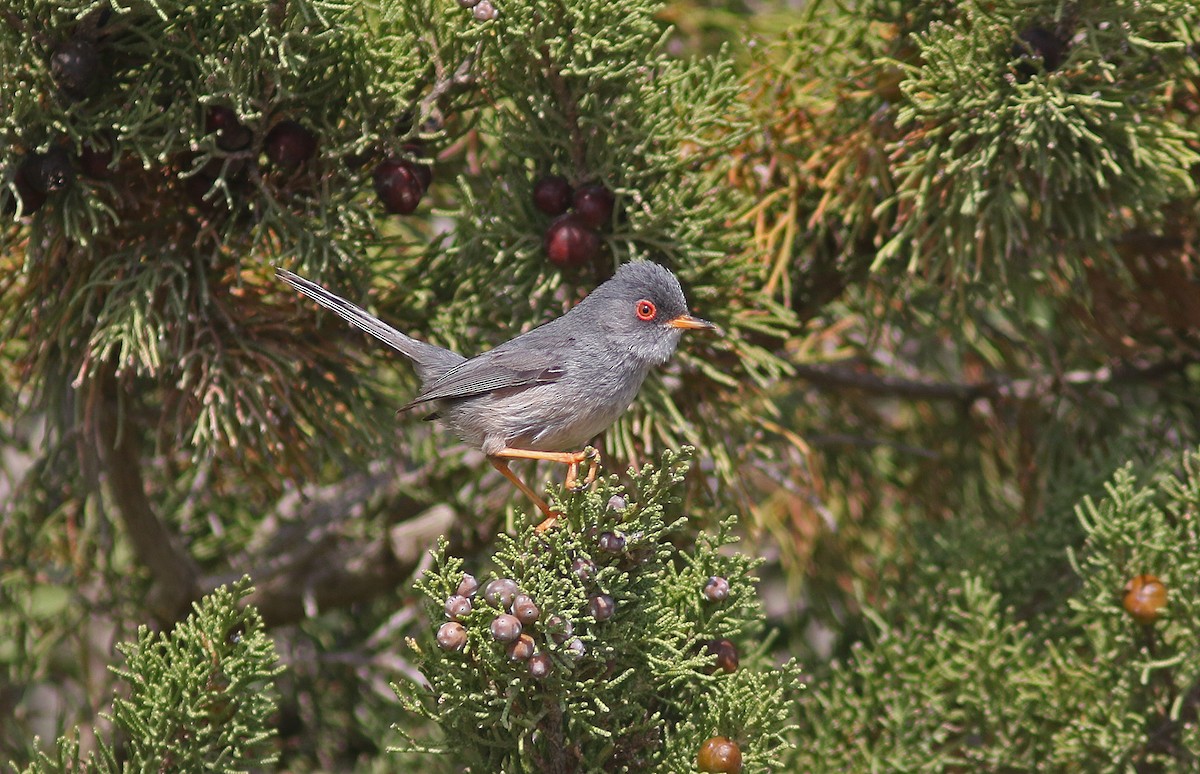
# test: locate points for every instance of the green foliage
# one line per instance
(639, 692)
(1005, 146)
(952, 677)
(938, 143)
(199, 699)
(924, 408)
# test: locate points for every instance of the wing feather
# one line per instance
(499, 369)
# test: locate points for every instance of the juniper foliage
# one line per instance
(635, 691)
(200, 698)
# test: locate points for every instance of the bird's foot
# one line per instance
(592, 457)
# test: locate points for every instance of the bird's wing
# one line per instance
(495, 370)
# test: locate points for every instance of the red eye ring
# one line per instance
(646, 310)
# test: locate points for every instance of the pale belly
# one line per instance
(540, 418)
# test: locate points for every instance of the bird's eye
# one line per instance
(645, 310)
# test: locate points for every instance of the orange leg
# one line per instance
(573, 471)
(570, 459)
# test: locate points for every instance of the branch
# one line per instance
(304, 558)
(998, 388)
(461, 78)
(306, 563)
(887, 386)
(174, 573)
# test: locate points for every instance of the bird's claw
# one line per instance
(592, 457)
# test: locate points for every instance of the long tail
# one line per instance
(431, 361)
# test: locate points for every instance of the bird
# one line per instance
(545, 393)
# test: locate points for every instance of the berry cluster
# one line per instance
(640, 625)
(78, 69)
(77, 65)
(400, 181)
(572, 239)
(288, 146)
(518, 625)
(40, 175)
(719, 753)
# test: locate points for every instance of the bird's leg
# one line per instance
(570, 459)
(550, 514)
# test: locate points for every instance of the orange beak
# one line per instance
(687, 322)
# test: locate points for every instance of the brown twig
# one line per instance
(461, 78)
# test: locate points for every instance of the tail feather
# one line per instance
(431, 361)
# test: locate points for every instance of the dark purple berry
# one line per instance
(559, 629)
(617, 503)
(220, 117)
(457, 607)
(569, 241)
(30, 200)
(552, 194)
(726, 653)
(467, 586)
(540, 666)
(468, 3)
(594, 204)
(575, 648)
(398, 186)
(525, 610)
(584, 568)
(505, 628)
(48, 172)
(716, 589)
(501, 592)
(1040, 43)
(451, 636)
(601, 607)
(76, 67)
(611, 542)
(232, 134)
(289, 144)
(520, 649)
(95, 161)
